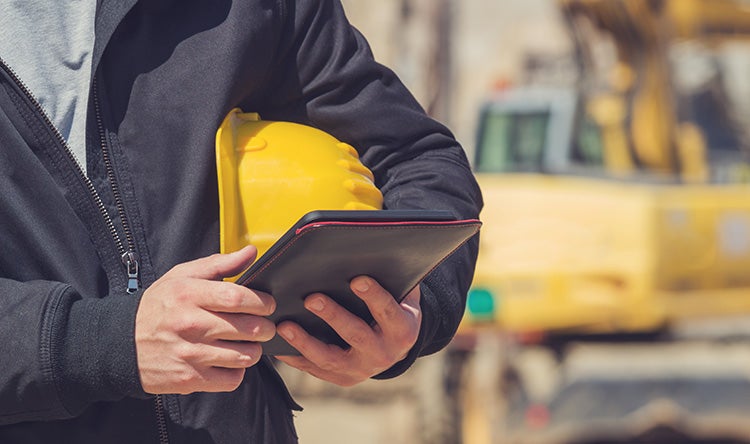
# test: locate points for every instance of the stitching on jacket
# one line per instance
(23, 110)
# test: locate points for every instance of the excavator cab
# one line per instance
(539, 130)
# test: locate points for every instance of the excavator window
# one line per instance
(547, 136)
(587, 146)
(512, 141)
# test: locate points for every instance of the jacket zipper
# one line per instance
(161, 422)
(129, 258)
(128, 255)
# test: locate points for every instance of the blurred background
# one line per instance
(611, 302)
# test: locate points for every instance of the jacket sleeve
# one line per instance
(61, 352)
(327, 78)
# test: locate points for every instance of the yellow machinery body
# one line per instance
(587, 255)
(272, 173)
(638, 235)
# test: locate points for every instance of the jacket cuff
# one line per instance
(93, 352)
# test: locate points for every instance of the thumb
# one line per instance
(217, 266)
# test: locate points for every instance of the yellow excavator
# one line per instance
(616, 208)
(606, 209)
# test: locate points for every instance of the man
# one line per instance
(116, 325)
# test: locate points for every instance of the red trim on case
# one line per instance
(387, 224)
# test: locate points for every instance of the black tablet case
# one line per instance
(325, 254)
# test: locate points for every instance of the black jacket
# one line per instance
(165, 74)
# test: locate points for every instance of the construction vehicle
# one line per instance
(614, 212)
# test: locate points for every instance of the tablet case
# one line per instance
(326, 250)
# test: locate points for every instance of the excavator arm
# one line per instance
(639, 82)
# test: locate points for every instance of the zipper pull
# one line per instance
(131, 266)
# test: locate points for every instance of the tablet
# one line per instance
(325, 250)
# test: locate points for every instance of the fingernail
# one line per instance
(317, 304)
(286, 333)
(362, 284)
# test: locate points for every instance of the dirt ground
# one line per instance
(340, 421)
(374, 412)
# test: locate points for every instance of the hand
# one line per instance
(195, 332)
(373, 348)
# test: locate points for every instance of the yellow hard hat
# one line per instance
(271, 173)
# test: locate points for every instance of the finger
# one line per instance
(220, 379)
(388, 313)
(240, 327)
(397, 323)
(412, 298)
(224, 354)
(216, 266)
(303, 364)
(410, 304)
(352, 329)
(407, 333)
(228, 297)
(234, 354)
(326, 356)
(201, 327)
